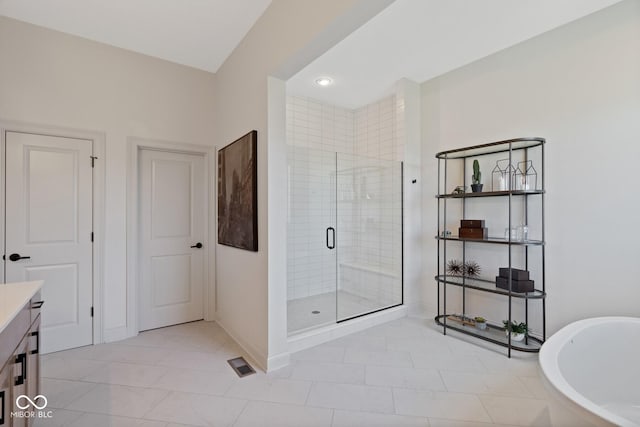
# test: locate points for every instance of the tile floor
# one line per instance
(403, 373)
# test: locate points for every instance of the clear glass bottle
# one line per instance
(522, 233)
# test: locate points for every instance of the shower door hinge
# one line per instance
(91, 311)
(92, 236)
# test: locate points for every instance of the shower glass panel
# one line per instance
(344, 237)
(311, 265)
(369, 235)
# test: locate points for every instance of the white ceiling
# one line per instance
(416, 39)
(421, 39)
(196, 33)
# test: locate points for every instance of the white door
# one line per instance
(49, 225)
(172, 214)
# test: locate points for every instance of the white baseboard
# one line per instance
(258, 359)
(279, 361)
(115, 334)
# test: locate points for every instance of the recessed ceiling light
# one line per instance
(324, 81)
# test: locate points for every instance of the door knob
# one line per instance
(197, 245)
(16, 257)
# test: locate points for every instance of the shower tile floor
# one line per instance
(401, 373)
(301, 316)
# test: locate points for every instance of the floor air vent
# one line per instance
(241, 367)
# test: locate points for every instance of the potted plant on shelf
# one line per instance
(481, 323)
(476, 186)
(518, 330)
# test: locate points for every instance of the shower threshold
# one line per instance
(305, 314)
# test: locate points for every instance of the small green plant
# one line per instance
(480, 319)
(515, 328)
(477, 175)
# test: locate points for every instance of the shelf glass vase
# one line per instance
(502, 176)
(526, 177)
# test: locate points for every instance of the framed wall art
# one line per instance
(238, 193)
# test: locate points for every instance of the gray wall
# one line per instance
(579, 87)
(51, 78)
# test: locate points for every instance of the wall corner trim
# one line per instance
(278, 361)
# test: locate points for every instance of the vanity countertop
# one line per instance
(13, 296)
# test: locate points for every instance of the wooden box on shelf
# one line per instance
(473, 233)
(472, 223)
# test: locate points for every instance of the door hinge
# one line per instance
(91, 311)
(93, 161)
(92, 236)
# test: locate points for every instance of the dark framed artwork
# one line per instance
(238, 193)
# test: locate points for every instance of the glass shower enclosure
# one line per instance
(344, 237)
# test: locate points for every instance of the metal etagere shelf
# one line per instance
(520, 148)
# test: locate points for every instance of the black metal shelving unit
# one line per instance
(494, 333)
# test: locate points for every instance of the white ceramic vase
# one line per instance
(515, 336)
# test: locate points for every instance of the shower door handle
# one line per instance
(333, 237)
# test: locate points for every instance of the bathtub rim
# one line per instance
(548, 361)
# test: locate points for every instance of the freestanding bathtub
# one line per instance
(594, 366)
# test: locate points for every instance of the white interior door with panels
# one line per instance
(172, 229)
(48, 233)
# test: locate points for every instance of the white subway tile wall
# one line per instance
(344, 172)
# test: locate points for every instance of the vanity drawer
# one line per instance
(11, 336)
